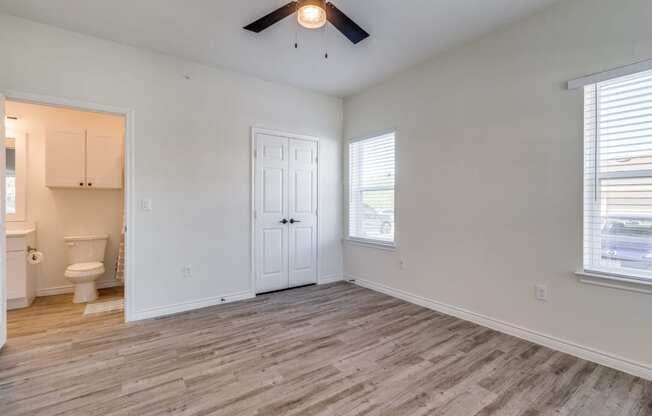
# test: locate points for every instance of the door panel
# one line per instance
(273, 182)
(303, 194)
(272, 251)
(303, 210)
(303, 248)
(270, 205)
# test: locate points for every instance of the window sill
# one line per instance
(370, 244)
(615, 281)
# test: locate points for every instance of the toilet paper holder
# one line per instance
(34, 256)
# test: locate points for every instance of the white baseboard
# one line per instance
(18, 303)
(60, 290)
(608, 360)
(110, 283)
(188, 306)
(331, 278)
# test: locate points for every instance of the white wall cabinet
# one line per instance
(83, 159)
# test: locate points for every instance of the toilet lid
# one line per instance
(85, 267)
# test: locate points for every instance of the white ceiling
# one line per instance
(403, 33)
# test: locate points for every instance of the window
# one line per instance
(372, 179)
(10, 179)
(15, 178)
(618, 176)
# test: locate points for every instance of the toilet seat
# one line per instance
(85, 269)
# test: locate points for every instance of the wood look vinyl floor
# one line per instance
(330, 350)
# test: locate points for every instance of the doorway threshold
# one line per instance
(285, 290)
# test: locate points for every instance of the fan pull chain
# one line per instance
(325, 34)
(296, 36)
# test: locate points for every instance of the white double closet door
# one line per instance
(285, 212)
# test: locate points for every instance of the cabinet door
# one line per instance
(65, 159)
(16, 268)
(103, 161)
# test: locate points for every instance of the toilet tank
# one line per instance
(86, 248)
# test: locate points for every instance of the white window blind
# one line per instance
(372, 178)
(618, 176)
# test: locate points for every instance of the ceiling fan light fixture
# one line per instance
(311, 14)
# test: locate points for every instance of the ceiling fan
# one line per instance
(312, 14)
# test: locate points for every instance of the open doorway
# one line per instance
(65, 215)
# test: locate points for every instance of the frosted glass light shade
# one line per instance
(311, 15)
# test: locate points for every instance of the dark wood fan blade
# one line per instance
(274, 17)
(348, 27)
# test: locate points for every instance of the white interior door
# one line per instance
(3, 233)
(271, 213)
(285, 212)
(303, 212)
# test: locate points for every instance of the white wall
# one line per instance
(489, 175)
(59, 212)
(192, 153)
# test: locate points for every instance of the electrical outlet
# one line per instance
(146, 204)
(401, 264)
(541, 292)
(187, 271)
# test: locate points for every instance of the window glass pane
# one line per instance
(626, 232)
(372, 180)
(10, 181)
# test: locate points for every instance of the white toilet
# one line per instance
(86, 264)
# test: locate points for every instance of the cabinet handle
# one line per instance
(90, 184)
(81, 183)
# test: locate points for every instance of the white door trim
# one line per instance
(129, 186)
(252, 195)
(3, 231)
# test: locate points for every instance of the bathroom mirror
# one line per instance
(15, 177)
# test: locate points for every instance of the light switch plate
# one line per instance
(187, 271)
(541, 292)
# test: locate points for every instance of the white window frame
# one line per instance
(367, 242)
(605, 277)
(17, 140)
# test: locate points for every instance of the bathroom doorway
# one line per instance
(66, 190)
